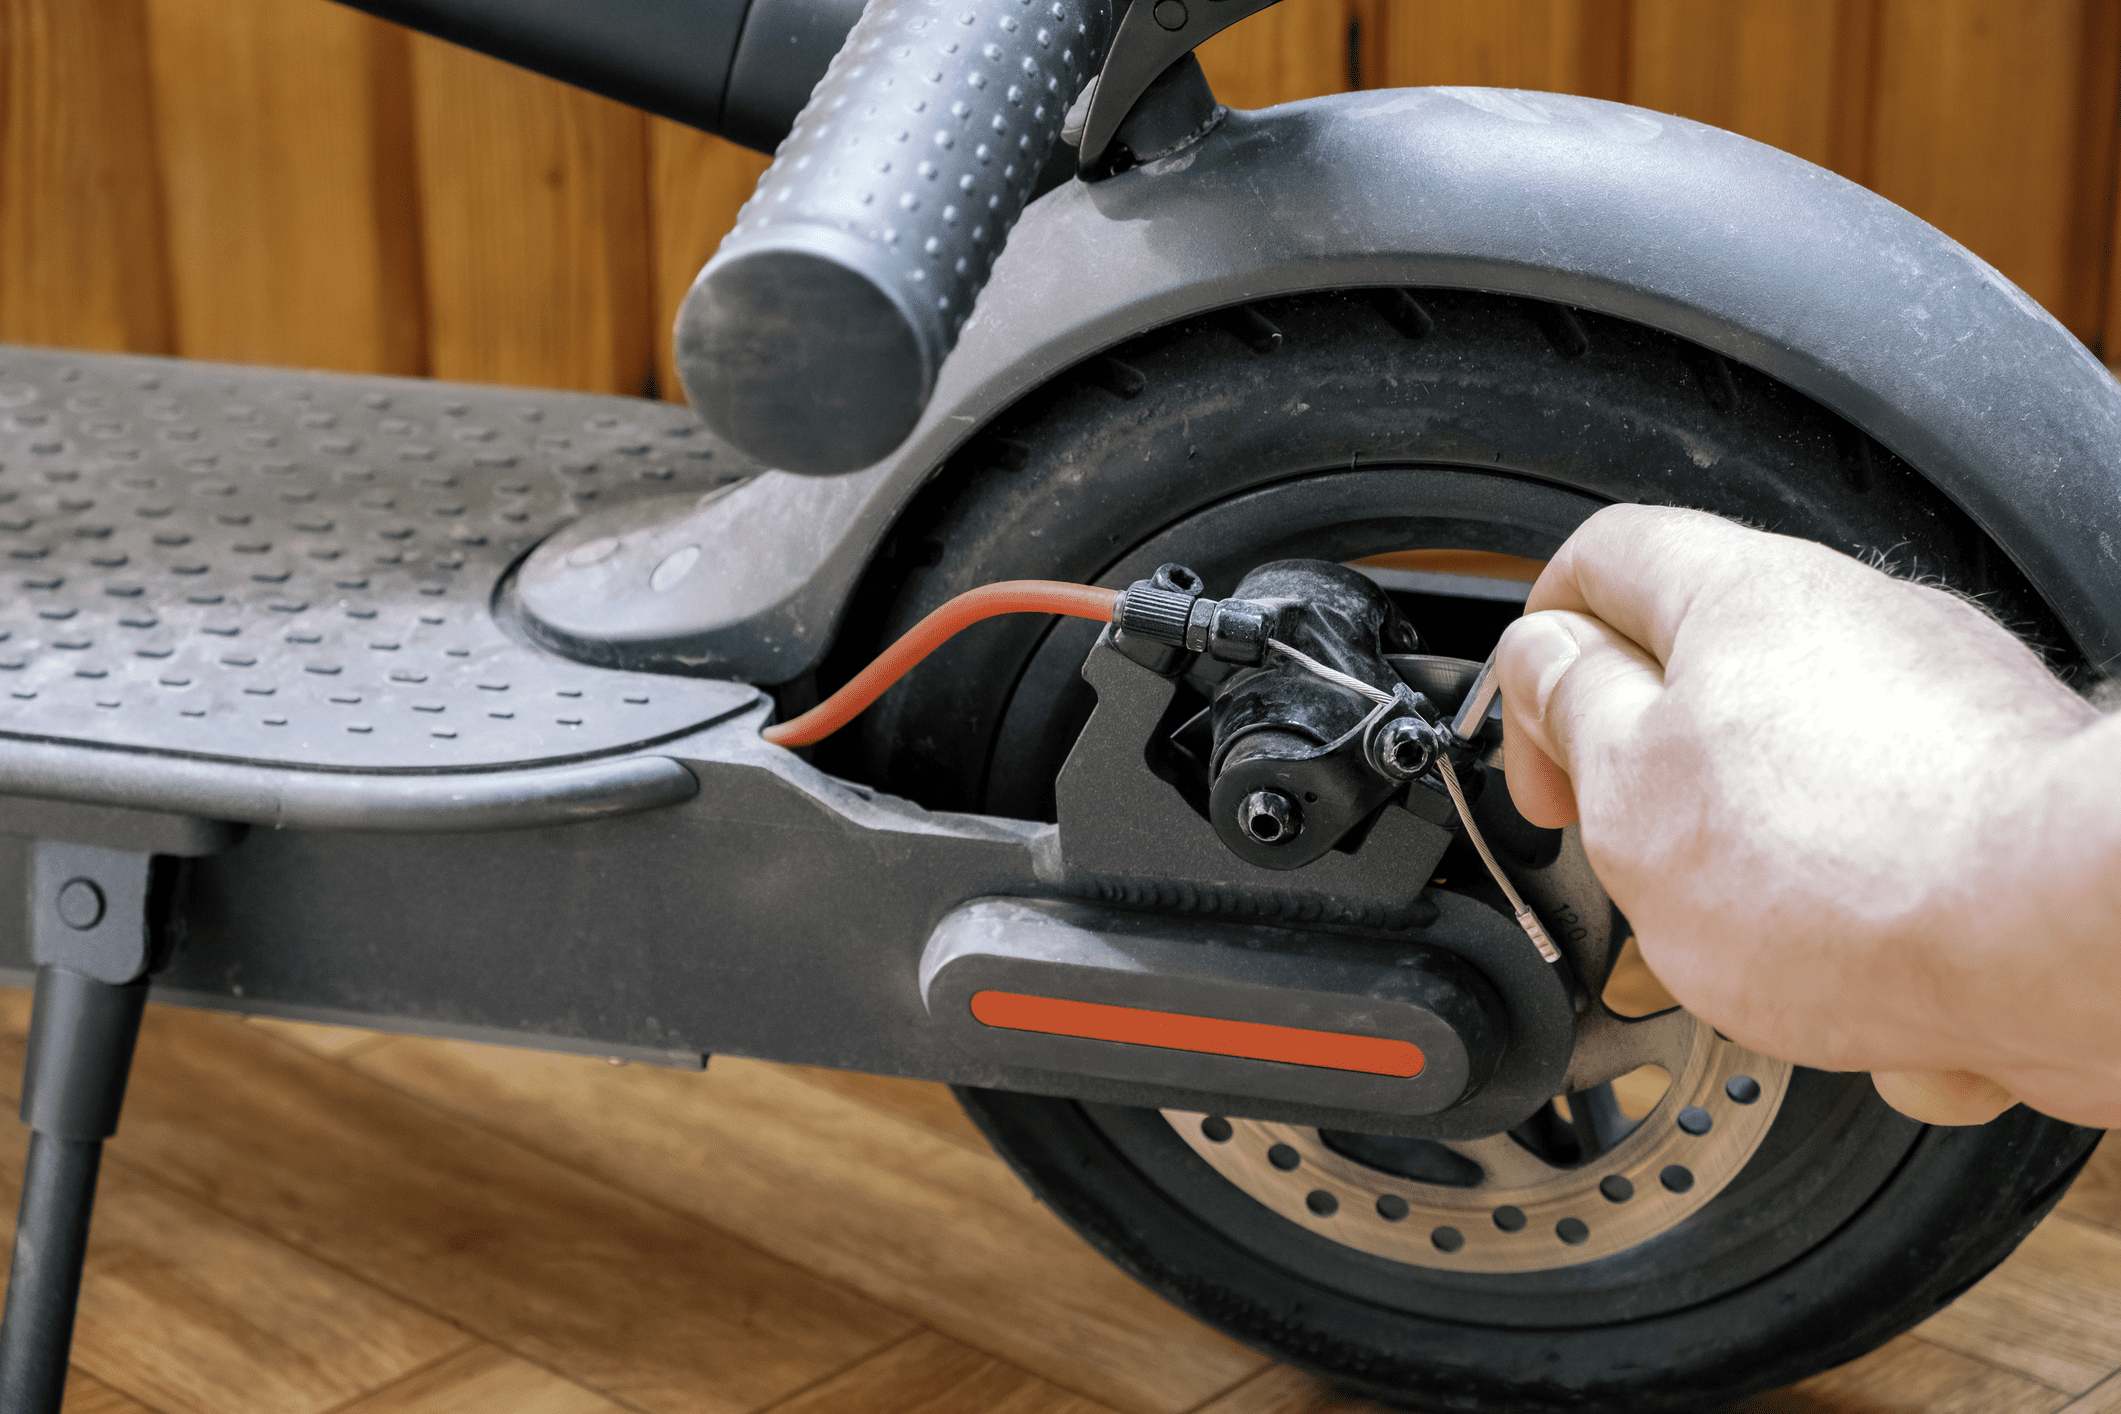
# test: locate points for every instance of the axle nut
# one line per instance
(1270, 817)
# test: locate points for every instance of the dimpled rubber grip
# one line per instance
(812, 340)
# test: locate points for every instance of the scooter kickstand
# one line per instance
(95, 919)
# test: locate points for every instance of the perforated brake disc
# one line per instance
(1523, 1213)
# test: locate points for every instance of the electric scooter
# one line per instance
(1049, 661)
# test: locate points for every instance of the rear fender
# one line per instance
(1743, 249)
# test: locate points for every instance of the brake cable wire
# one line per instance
(1332, 675)
(1013, 596)
(1526, 919)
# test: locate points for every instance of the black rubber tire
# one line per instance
(1100, 460)
(1956, 1206)
(1355, 428)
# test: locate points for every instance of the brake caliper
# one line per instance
(1314, 729)
(1318, 726)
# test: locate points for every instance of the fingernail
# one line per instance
(1543, 651)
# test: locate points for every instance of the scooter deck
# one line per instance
(285, 587)
(298, 571)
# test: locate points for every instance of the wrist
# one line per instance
(2028, 939)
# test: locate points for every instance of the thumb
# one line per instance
(1943, 1096)
(1573, 690)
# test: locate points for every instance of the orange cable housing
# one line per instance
(1013, 596)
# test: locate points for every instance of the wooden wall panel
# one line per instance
(1794, 74)
(2111, 343)
(1296, 50)
(696, 183)
(81, 250)
(287, 181)
(287, 163)
(534, 210)
(1568, 46)
(1995, 122)
(1992, 119)
(2097, 142)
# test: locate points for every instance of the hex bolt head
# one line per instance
(80, 904)
(1270, 817)
(1404, 747)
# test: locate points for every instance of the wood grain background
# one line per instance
(290, 182)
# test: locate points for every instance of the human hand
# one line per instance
(1854, 822)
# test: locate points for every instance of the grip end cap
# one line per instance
(799, 356)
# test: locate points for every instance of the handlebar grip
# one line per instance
(813, 339)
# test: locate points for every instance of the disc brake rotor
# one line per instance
(1522, 1213)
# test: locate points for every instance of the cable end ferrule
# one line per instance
(1529, 921)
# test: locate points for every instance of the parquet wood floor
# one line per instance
(306, 1220)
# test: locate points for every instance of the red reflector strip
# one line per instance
(1175, 1031)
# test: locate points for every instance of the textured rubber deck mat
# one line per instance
(298, 569)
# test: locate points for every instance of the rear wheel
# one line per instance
(1749, 1226)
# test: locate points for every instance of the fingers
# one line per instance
(1642, 568)
(1955, 1097)
(1540, 788)
(1533, 656)
(1573, 694)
